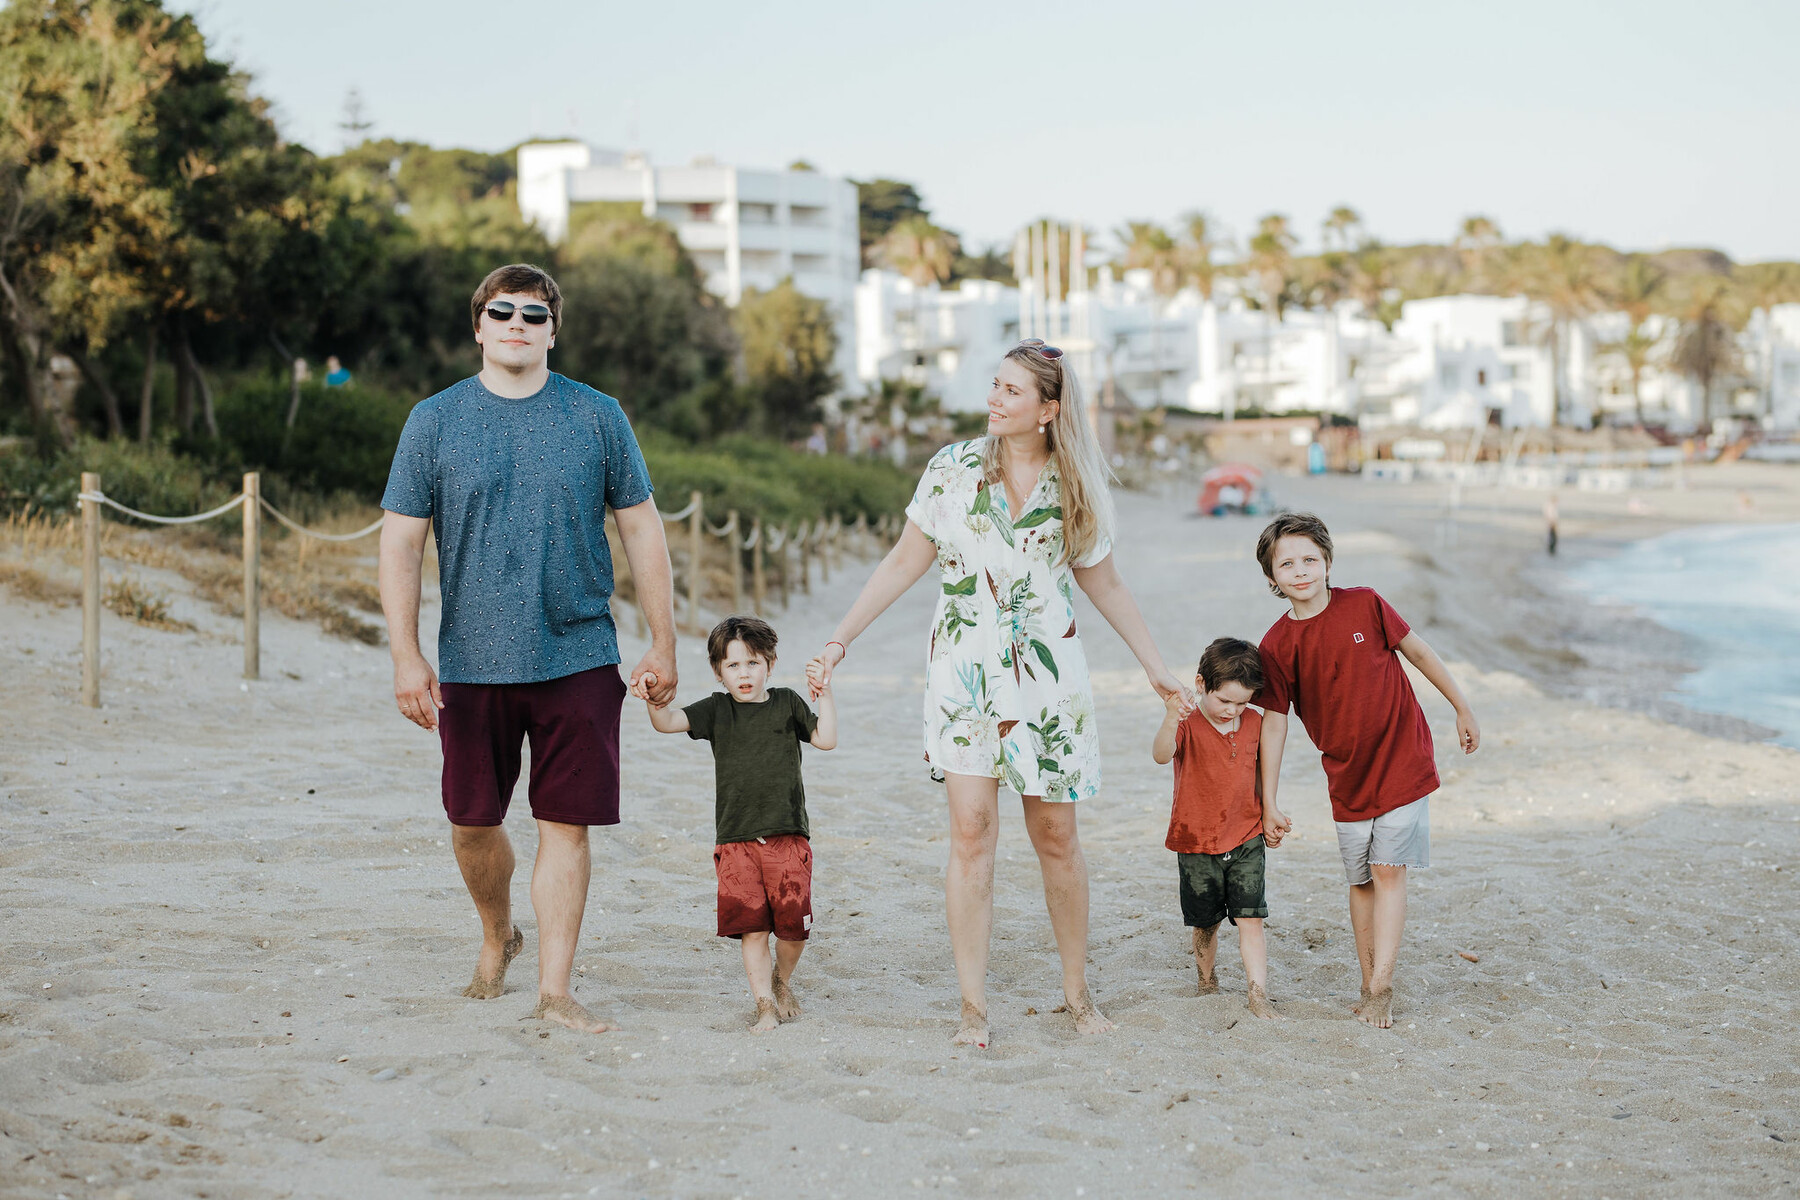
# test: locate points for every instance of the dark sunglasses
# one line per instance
(1048, 351)
(531, 314)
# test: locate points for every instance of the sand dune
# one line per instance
(235, 936)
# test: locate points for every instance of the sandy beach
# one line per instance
(235, 936)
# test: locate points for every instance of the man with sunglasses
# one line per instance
(516, 467)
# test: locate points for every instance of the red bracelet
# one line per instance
(840, 646)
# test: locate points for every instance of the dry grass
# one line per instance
(307, 580)
(29, 583)
(137, 602)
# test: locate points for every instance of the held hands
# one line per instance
(1172, 690)
(1468, 733)
(417, 693)
(818, 670)
(1275, 826)
(653, 679)
(1176, 706)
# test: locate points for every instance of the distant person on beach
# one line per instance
(1332, 659)
(1013, 521)
(1219, 823)
(514, 468)
(762, 847)
(1550, 517)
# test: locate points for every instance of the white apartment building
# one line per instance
(1463, 357)
(744, 228)
(1449, 362)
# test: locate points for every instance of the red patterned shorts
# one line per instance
(764, 886)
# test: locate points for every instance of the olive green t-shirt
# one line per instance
(756, 762)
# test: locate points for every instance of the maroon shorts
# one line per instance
(573, 724)
(765, 886)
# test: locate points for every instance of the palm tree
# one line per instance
(1339, 228)
(918, 250)
(1194, 255)
(1706, 349)
(1272, 260)
(1369, 279)
(1150, 247)
(1564, 276)
(1633, 291)
(1476, 240)
(1764, 285)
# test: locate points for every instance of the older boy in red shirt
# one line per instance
(1218, 821)
(1333, 659)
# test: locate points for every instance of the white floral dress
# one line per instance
(1006, 686)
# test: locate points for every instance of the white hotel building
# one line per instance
(1449, 362)
(744, 228)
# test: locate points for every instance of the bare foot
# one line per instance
(1259, 1004)
(1209, 985)
(787, 1005)
(974, 1029)
(565, 1011)
(1088, 1017)
(1377, 1010)
(767, 1016)
(1360, 1002)
(490, 968)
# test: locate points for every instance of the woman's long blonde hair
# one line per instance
(1086, 495)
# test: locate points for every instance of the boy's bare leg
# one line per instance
(969, 895)
(559, 886)
(485, 856)
(1058, 846)
(1206, 953)
(1256, 965)
(1362, 924)
(1389, 922)
(787, 957)
(758, 967)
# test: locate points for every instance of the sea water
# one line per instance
(1733, 589)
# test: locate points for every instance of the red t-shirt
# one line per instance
(1340, 672)
(1215, 809)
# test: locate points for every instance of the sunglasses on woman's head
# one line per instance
(531, 314)
(1043, 348)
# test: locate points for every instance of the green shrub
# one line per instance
(342, 441)
(153, 479)
(770, 480)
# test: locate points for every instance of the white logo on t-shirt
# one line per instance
(1357, 636)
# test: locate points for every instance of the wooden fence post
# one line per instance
(759, 583)
(90, 592)
(806, 535)
(696, 527)
(252, 575)
(787, 539)
(737, 561)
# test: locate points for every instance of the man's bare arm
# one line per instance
(400, 568)
(647, 550)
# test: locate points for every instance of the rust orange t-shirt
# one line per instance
(1216, 809)
(1340, 671)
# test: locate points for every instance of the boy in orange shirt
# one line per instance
(1219, 823)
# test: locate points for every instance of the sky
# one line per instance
(1643, 125)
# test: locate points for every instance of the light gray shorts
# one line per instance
(1401, 838)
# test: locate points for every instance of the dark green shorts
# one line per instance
(1215, 887)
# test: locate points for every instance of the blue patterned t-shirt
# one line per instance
(517, 491)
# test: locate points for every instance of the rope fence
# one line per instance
(792, 550)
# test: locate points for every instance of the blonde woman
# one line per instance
(1013, 522)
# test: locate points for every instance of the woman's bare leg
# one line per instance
(1053, 836)
(969, 894)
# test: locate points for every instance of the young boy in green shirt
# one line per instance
(761, 849)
